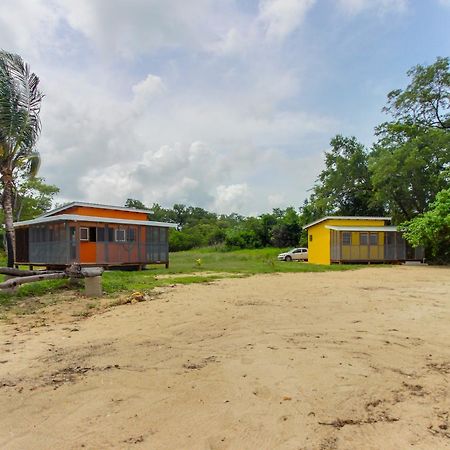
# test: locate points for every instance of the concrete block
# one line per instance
(93, 286)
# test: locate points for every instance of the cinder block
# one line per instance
(93, 286)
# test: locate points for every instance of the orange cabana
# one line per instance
(92, 234)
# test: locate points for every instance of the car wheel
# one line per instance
(288, 258)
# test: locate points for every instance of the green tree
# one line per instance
(408, 168)
(432, 229)
(133, 203)
(20, 126)
(33, 198)
(344, 187)
(286, 232)
(409, 161)
(426, 100)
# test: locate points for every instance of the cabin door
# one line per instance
(88, 245)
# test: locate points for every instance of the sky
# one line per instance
(224, 104)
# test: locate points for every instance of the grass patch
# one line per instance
(195, 266)
(241, 261)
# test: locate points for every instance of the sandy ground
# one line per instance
(336, 360)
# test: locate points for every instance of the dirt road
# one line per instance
(335, 360)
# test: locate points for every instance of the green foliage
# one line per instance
(408, 166)
(133, 203)
(20, 126)
(432, 229)
(20, 102)
(412, 155)
(286, 231)
(426, 100)
(33, 198)
(344, 186)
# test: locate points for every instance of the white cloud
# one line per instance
(26, 25)
(276, 201)
(131, 27)
(232, 198)
(281, 17)
(275, 21)
(353, 7)
(151, 86)
(160, 145)
(173, 102)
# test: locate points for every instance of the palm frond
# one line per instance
(20, 103)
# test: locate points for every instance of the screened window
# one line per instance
(100, 234)
(72, 233)
(120, 236)
(363, 239)
(110, 234)
(84, 234)
(346, 238)
(131, 234)
(373, 238)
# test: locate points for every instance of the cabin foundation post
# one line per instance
(93, 286)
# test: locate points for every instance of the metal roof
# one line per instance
(345, 218)
(78, 218)
(385, 228)
(94, 205)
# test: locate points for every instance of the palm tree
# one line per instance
(20, 126)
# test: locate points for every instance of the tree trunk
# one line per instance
(13, 282)
(24, 273)
(7, 203)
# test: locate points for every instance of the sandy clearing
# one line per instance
(335, 360)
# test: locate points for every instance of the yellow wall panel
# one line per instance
(319, 251)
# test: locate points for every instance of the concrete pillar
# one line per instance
(93, 286)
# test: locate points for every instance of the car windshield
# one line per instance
(292, 250)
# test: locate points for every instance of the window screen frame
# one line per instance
(84, 230)
(346, 234)
(365, 235)
(373, 235)
(122, 231)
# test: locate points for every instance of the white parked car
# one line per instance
(297, 254)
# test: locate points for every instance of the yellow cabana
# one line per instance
(345, 239)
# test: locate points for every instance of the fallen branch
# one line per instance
(24, 273)
(13, 282)
(75, 271)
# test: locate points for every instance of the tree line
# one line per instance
(404, 174)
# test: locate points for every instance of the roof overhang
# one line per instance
(78, 218)
(345, 218)
(362, 228)
(94, 205)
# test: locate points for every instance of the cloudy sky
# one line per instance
(224, 104)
